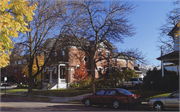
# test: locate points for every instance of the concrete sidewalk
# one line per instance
(76, 99)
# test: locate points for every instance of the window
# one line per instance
(55, 70)
(110, 92)
(55, 56)
(115, 62)
(175, 95)
(24, 61)
(55, 53)
(19, 62)
(15, 62)
(63, 52)
(107, 54)
(86, 59)
(100, 92)
(99, 54)
(15, 70)
(124, 92)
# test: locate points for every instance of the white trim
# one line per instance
(121, 60)
(77, 66)
(46, 69)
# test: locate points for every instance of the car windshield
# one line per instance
(124, 92)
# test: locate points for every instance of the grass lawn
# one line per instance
(61, 93)
(147, 95)
(159, 95)
(56, 93)
(14, 90)
(25, 97)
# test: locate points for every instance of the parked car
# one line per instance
(133, 82)
(8, 84)
(2, 83)
(161, 103)
(115, 97)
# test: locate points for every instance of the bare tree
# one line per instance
(98, 21)
(172, 19)
(46, 24)
(136, 54)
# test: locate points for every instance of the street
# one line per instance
(9, 104)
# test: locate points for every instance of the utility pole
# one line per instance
(162, 65)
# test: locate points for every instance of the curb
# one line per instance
(74, 101)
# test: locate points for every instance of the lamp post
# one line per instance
(5, 79)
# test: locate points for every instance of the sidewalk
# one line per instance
(75, 99)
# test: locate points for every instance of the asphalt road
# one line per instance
(13, 104)
(9, 104)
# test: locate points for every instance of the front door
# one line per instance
(63, 73)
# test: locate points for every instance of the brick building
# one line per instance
(62, 64)
(61, 67)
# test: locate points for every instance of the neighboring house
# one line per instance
(170, 61)
(14, 69)
(141, 72)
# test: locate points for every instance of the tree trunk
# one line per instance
(30, 85)
(93, 77)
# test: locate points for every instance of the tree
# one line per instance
(40, 61)
(13, 19)
(99, 21)
(80, 73)
(115, 75)
(47, 34)
(171, 20)
(129, 74)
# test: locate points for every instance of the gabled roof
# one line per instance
(122, 56)
(68, 40)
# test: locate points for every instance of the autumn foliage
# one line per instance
(80, 73)
(40, 60)
(14, 15)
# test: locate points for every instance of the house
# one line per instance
(65, 60)
(170, 61)
(13, 71)
(141, 72)
(63, 63)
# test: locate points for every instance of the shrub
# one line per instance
(154, 80)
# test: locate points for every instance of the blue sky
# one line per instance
(148, 16)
